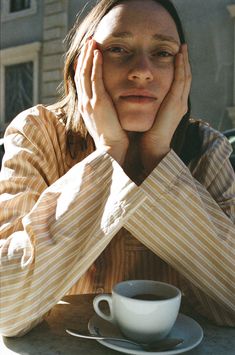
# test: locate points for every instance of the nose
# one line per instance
(141, 69)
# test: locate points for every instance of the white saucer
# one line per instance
(184, 327)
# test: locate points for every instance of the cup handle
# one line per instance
(107, 298)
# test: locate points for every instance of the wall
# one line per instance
(75, 7)
(210, 34)
(55, 27)
(22, 30)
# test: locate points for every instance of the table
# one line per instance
(50, 338)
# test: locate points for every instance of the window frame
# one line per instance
(6, 15)
(18, 55)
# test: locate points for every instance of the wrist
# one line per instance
(117, 152)
(151, 159)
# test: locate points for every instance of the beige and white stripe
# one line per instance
(80, 227)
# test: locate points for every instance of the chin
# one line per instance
(136, 125)
(136, 119)
(135, 129)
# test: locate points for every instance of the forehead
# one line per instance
(142, 18)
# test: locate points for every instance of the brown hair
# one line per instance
(77, 135)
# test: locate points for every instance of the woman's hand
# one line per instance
(96, 106)
(155, 143)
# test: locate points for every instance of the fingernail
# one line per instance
(88, 39)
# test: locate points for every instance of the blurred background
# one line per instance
(32, 48)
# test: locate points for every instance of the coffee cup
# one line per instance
(143, 310)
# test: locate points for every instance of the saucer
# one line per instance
(184, 327)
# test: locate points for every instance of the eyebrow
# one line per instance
(157, 37)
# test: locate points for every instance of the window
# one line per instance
(13, 9)
(18, 89)
(18, 80)
(19, 5)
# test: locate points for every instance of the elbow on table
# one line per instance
(221, 318)
(14, 329)
(228, 321)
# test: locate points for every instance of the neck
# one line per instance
(132, 165)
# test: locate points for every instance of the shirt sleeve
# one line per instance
(188, 221)
(51, 232)
(54, 225)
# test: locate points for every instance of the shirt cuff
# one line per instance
(163, 177)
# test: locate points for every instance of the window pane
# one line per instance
(18, 5)
(18, 89)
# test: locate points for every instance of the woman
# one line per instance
(116, 182)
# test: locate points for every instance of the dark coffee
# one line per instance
(149, 297)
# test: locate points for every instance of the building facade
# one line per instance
(32, 54)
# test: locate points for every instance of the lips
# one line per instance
(138, 96)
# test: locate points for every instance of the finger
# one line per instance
(98, 89)
(188, 74)
(79, 62)
(87, 69)
(177, 87)
(84, 68)
(77, 77)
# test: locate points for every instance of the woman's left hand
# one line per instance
(155, 143)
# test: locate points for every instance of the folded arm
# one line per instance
(189, 223)
(50, 235)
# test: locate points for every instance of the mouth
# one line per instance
(138, 97)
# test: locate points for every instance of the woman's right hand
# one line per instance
(96, 106)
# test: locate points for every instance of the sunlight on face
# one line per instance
(139, 41)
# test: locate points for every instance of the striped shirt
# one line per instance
(69, 227)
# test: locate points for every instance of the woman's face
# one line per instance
(138, 40)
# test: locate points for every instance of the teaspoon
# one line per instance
(159, 345)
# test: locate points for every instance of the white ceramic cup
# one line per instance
(141, 319)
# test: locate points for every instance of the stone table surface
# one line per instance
(50, 338)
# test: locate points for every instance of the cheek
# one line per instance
(165, 77)
(163, 82)
(110, 76)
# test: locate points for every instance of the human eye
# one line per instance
(116, 50)
(163, 54)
